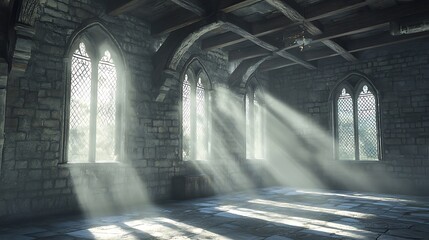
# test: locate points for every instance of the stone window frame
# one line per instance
(195, 69)
(253, 86)
(353, 83)
(97, 40)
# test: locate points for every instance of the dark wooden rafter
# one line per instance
(176, 45)
(359, 24)
(236, 76)
(293, 13)
(228, 6)
(353, 46)
(120, 7)
(180, 20)
(235, 25)
(247, 53)
(194, 6)
(319, 11)
(240, 76)
(372, 20)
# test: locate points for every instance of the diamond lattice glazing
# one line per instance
(367, 125)
(346, 135)
(106, 110)
(201, 121)
(186, 118)
(80, 102)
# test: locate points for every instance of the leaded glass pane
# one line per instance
(258, 127)
(80, 102)
(201, 121)
(248, 130)
(186, 119)
(367, 125)
(346, 135)
(106, 109)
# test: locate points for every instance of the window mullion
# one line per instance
(193, 120)
(206, 123)
(252, 124)
(355, 124)
(93, 111)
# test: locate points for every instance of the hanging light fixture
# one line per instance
(299, 39)
(302, 42)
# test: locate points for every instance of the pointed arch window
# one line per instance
(93, 107)
(195, 117)
(356, 125)
(254, 123)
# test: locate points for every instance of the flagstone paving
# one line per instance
(275, 213)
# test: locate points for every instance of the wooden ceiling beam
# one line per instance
(178, 21)
(274, 64)
(244, 70)
(234, 25)
(353, 46)
(293, 13)
(325, 9)
(119, 7)
(247, 53)
(228, 6)
(195, 6)
(372, 20)
(382, 40)
(362, 23)
(229, 38)
(331, 8)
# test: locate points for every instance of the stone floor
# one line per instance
(270, 214)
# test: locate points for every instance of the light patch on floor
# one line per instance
(275, 213)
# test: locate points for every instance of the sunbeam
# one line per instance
(312, 208)
(315, 226)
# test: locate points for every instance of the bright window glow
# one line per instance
(195, 120)
(106, 109)
(186, 119)
(258, 126)
(248, 130)
(367, 125)
(254, 125)
(92, 111)
(201, 121)
(357, 131)
(80, 104)
(346, 135)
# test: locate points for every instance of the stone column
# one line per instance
(23, 37)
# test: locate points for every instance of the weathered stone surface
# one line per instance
(269, 214)
(400, 75)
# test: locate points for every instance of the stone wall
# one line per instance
(33, 178)
(401, 75)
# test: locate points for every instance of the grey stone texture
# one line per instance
(266, 214)
(401, 75)
(34, 180)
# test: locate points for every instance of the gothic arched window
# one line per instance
(195, 116)
(92, 111)
(356, 120)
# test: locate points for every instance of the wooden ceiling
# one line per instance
(267, 29)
